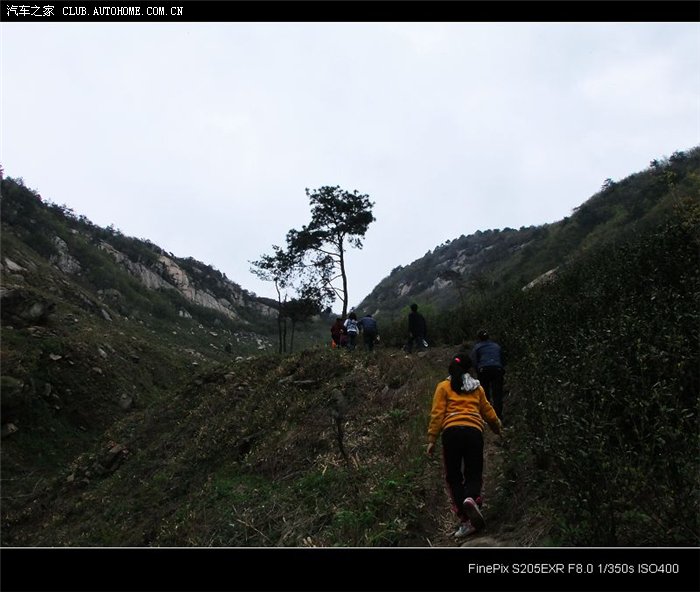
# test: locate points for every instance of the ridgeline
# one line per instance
(159, 416)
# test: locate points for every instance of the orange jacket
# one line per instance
(460, 409)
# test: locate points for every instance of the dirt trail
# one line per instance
(441, 524)
(495, 534)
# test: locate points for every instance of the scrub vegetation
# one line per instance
(126, 423)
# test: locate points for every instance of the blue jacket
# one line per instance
(487, 353)
(368, 324)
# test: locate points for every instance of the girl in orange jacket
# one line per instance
(460, 409)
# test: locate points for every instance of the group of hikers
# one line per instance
(469, 398)
(345, 333)
(462, 405)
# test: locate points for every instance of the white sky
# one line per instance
(202, 137)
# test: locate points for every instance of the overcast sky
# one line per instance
(202, 137)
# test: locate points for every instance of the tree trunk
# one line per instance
(341, 263)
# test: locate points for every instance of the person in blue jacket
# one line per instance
(370, 331)
(487, 357)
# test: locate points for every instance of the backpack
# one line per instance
(351, 326)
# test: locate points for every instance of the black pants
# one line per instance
(369, 338)
(491, 378)
(414, 341)
(463, 456)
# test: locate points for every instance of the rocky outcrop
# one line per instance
(170, 276)
(63, 260)
(181, 281)
(148, 278)
(547, 276)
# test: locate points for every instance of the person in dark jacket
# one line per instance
(370, 331)
(488, 360)
(337, 330)
(417, 330)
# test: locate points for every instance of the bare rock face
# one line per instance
(170, 275)
(547, 276)
(64, 261)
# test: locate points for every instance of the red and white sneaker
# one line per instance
(465, 529)
(471, 508)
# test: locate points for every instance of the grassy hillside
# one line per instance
(141, 432)
(85, 342)
(324, 448)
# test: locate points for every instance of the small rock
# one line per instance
(12, 266)
(9, 429)
(126, 402)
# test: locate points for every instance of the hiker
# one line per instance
(488, 360)
(459, 409)
(351, 329)
(370, 331)
(417, 330)
(336, 332)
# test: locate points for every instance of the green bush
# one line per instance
(606, 373)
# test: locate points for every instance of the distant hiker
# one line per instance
(351, 329)
(370, 331)
(459, 409)
(417, 330)
(337, 332)
(488, 359)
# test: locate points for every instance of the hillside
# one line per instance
(470, 267)
(132, 278)
(126, 423)
(96, 325)
(250, 454)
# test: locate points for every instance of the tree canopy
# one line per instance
(314, 261)
(339, 219)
